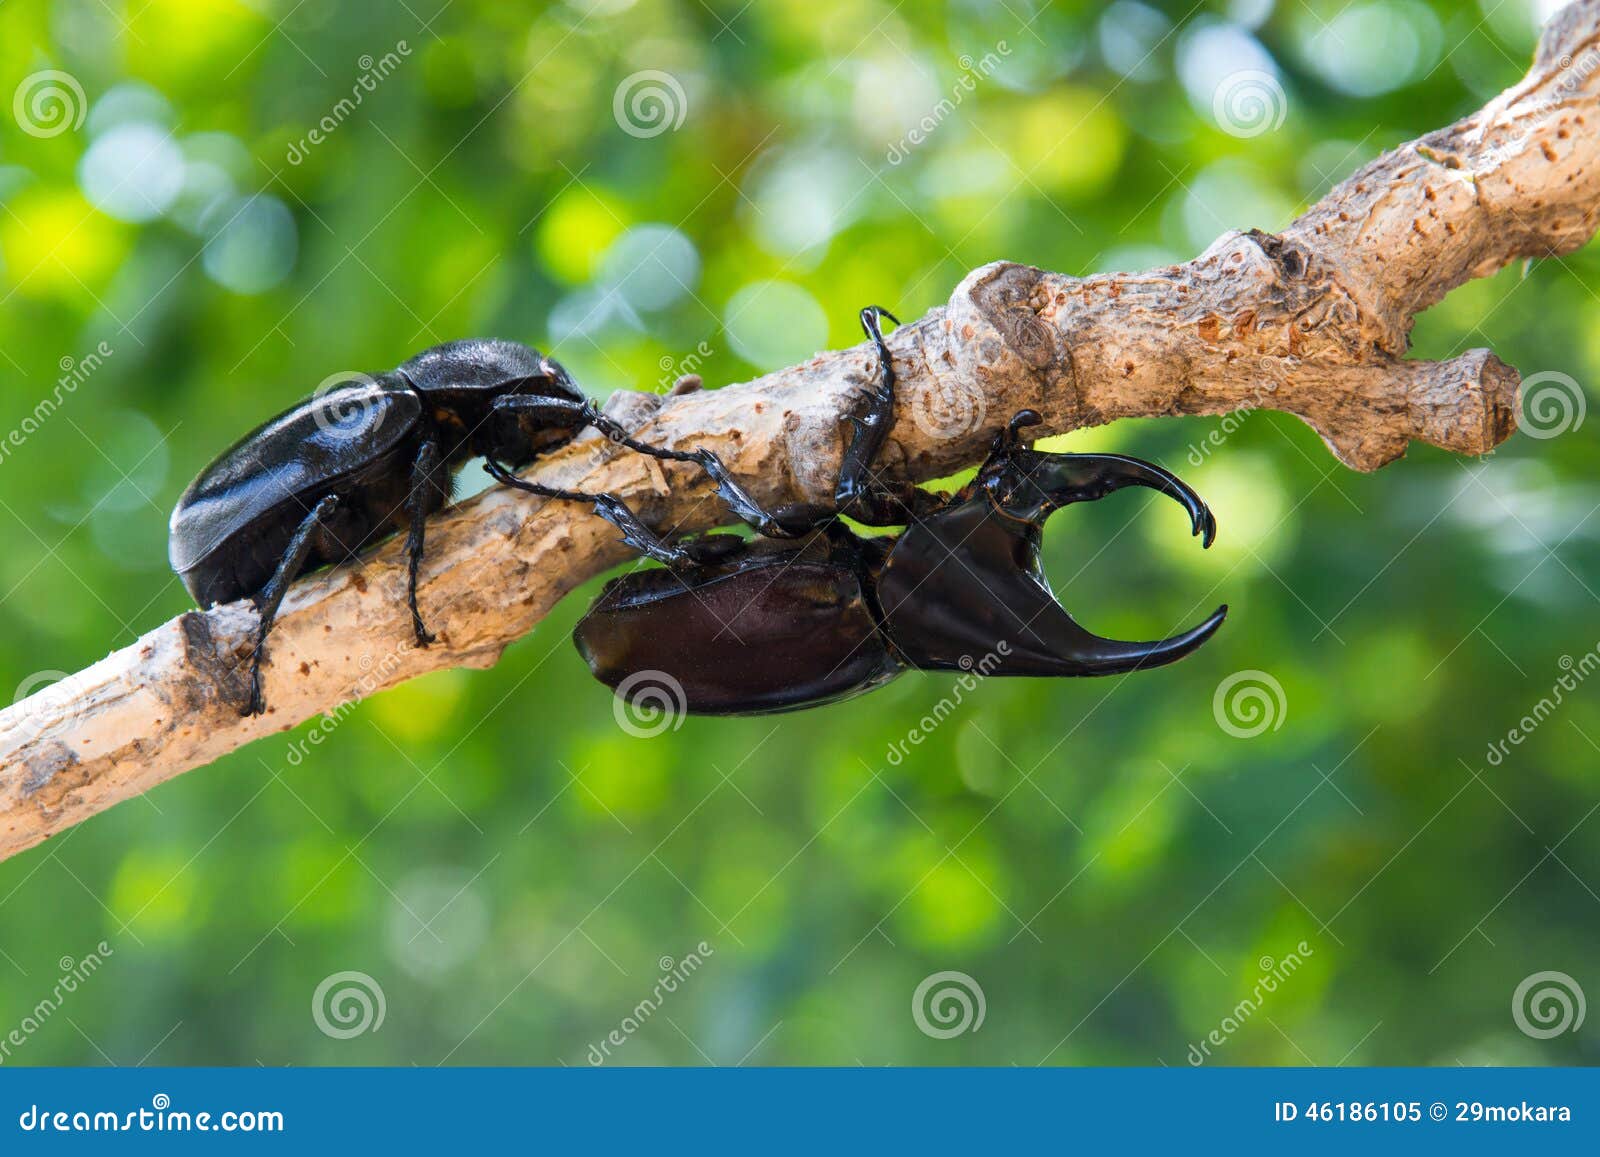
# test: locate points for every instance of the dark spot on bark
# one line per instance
(1290, 258)
(217, 676)
(359, 581)
(49, 776)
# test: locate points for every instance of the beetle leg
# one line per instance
(856, 483)
(423, 473)
(577, 415)
(271, 596)
(859, 492)
(609, 507)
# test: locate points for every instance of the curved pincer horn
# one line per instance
(967, 581)
(1029, 484)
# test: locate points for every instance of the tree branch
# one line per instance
(1312, 321)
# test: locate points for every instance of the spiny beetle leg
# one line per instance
(423, 474)
(559, 411)
(609, 507)
(271, 596)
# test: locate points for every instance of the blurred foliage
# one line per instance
(509, 865)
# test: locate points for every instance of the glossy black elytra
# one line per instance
(815, 613)
(328, 478)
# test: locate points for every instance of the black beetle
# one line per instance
(331, 476)
(773, 625)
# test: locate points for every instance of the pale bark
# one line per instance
(1311, 321)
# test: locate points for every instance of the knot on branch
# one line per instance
(993, 337)
(1281, 297)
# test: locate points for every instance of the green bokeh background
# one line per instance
(1102, 858)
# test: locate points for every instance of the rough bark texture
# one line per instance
(1312, 321)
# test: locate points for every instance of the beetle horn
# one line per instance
(967, 581)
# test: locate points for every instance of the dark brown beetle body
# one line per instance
(824, 613)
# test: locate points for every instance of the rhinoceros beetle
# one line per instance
(331, 476)
(812, 613)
